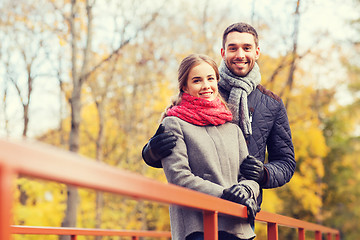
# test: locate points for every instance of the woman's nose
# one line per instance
(206, 84)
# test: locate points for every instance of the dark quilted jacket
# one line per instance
(271, 130)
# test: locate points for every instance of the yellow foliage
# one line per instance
(62, 41)
(307, 192)
(86, 216)
(271, 201)
(44, 206)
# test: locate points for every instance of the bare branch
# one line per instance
(123, 44)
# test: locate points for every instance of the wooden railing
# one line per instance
(49, 163)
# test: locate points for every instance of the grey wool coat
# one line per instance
(206, 159)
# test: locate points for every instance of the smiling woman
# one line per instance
(208, 152)
(202, 82)
(198, 76)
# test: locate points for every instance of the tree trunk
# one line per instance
(99, 157)
(294, 55)
(26, 119)
(75, 103)
(72, 192)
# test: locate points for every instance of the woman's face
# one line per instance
(202, 82)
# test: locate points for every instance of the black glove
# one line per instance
(237, 193)
(158, 147)
(252, 209)
(253, 169)
(242, 194)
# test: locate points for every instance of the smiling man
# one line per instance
(260, 114)
(240, 51)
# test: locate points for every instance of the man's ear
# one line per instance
(223, 53)
(257, 53)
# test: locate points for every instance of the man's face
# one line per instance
(240, 53)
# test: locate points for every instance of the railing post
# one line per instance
(301, 232)
(318, 235)
(7, 177)
(328, 236)
(134, 238)
(210, 225)
(73, 237)
(272, 230)
(337, 237)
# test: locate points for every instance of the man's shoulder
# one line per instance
(268, 93)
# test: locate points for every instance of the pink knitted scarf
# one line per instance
(200, 112)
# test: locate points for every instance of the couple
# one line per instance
(200, 145)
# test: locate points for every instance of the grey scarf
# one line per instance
(239, 88)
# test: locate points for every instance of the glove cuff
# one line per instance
(149, 158)
(265, 177)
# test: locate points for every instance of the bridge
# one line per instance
(46, 162)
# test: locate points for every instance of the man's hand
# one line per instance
(158, 147)
(237, 193)
(253, 169)
(241, 194)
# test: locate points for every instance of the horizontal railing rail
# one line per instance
(49, 163)
(74, 232)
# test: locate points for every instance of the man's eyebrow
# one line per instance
(241, 44)
(232, 44)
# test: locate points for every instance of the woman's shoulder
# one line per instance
(172, 122)
(181, 127)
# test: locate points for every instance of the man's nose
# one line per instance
(240, 53)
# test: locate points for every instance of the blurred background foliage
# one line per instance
(94, 76)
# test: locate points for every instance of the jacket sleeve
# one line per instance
(252, 185)
(281, 159)
(176, 165)
(149, 160)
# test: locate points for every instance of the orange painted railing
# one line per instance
(74, 232)
(49, 163)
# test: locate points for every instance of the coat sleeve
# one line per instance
(281, 159)
(243, 153)
(176, 165)
(253, 186)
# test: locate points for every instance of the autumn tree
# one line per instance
(342, 195)
(81, 33)
(22, 54)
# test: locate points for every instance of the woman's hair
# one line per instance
(185, 67)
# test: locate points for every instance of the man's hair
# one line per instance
(242, 28)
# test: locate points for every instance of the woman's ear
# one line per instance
(184, 89)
